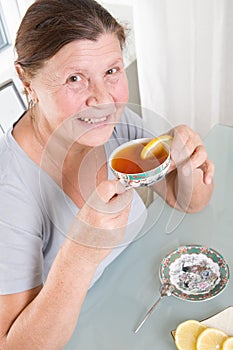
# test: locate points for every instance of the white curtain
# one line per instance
(184, 54)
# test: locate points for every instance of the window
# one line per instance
(12, 105)
(4, 38)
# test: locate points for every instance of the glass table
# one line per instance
(130, 285)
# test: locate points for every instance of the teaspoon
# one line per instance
(166, 289)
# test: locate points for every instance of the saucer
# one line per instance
(198, 273)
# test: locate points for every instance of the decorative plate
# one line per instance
(197, 272)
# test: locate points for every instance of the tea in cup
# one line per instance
(141, 162)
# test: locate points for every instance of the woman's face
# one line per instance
(82, 90)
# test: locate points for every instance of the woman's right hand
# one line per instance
(101, 223)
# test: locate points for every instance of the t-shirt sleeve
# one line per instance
(21, 242)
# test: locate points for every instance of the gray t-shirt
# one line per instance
(35, 213)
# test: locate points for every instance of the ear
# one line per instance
(23, 76)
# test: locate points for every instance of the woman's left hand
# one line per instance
(188, 153)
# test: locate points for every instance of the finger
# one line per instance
(110, 198)
(179, 142)
(208, 171)
(184, 143)
(198, 158)
(108, 189)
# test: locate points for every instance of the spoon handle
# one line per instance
(149, 312)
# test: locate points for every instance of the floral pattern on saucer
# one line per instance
(197, 272)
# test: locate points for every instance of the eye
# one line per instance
(77, 82)
(74, 78)
(113, 75)
(111, 71)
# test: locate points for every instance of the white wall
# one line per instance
(184, 53)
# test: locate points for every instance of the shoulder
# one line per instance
(13, 169)
(18, 191)
(7, 159)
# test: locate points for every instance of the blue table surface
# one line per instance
(117, 302)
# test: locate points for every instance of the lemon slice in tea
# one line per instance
(211, 339)
(155, 146)
(186, 334)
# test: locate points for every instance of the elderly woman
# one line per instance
(63, 218)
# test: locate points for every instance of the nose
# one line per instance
(98, 94)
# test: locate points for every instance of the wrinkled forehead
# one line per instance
(85, 52)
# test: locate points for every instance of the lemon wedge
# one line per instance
(187, 333)
(155, 146)
(228, 344)
(211, 339)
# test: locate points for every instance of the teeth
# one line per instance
(93, 120)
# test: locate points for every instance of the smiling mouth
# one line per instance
(94, 120)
